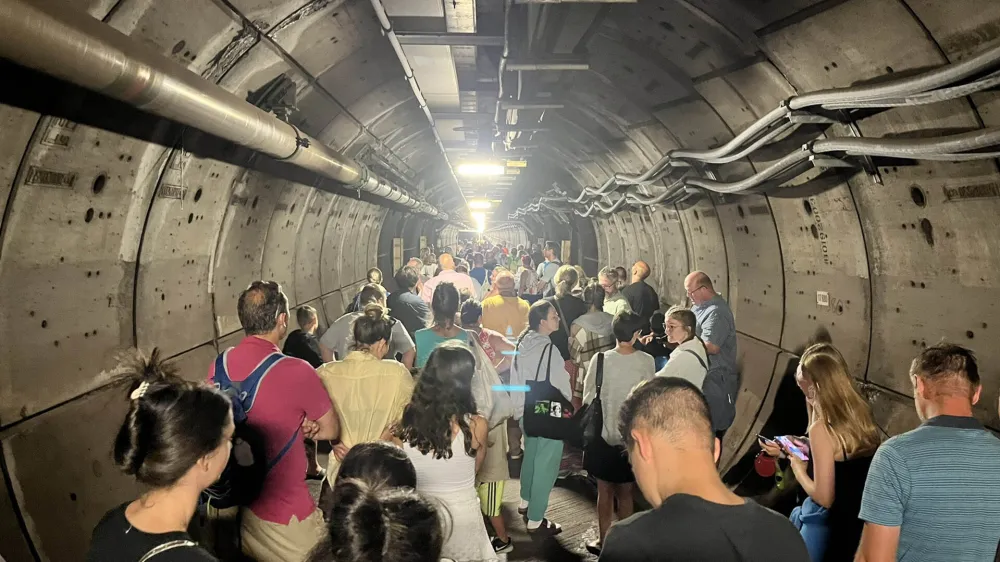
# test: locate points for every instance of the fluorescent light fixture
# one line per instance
(479, 204)
(480, 169)
(480, 219)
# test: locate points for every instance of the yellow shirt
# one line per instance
(369, 396)
(500, 312)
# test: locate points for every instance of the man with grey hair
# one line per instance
(339, 337)
(302, 343)
(717, 329)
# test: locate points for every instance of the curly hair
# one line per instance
(443, 392)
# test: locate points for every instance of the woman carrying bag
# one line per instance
(604, 390)
(545, 413)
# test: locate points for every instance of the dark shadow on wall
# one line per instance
(38, 92)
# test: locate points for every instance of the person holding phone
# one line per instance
(832, 464)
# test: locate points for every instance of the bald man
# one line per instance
(642, 298)
(448, 273)
(717, 328)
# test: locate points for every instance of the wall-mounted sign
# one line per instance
(517, 164)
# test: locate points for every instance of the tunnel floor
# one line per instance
(572, 505)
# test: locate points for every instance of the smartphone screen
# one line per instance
(765, 439)
(790, 446)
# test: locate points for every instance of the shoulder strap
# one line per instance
(158, 549)
(538, 369)
(285, 449)
(248, 387)
(221, 375)
(562, 317)
(600, 373)
(548, 364)
(698, 357)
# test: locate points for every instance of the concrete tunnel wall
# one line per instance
(108, 241)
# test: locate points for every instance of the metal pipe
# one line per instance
(49, 37)
(518, 65)
(458, 39)
(390, 34)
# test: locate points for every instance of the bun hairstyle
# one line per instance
(372, 326)
(171, 423)
(565, 279)
(380, 524)
(593, 294)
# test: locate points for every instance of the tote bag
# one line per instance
(589, 419)
(547, 413)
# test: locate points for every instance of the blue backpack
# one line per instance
(243, 478)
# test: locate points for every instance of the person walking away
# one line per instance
(338, 339)
(175, 442)
(614, 301)
(542, 456)
(689, 360)
(623, 368)
(666, 427)
(642, 298)
(527, 280)
(368, 389)
(932, 492)
(374, 277)
(429, 267)
(494, 344)
(448, 274)
(302, 344)
(842, 439)
(283, 523)
(590, 334)
(478, 272)
(445, 440)
(505, 312)
(444, 311)
(717, 329)
(405, 304)
(547, 270)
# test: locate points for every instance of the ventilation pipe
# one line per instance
(50, 37)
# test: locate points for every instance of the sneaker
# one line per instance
(594, 547)
(546, 528)
(501, 547)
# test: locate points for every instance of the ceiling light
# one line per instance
(480, 219)
(480, 169)
(479, 205)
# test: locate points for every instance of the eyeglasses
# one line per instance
(695, 290)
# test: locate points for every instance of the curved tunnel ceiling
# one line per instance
(109, 240)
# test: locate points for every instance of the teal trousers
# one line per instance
(539, 471)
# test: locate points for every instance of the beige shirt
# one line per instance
(369, 396)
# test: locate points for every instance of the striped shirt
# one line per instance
(939, 483)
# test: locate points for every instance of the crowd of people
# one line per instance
(486, 354)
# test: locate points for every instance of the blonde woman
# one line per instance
(842, 439)
(689, 360)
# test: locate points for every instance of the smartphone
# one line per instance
(766, 439)
(793, 448)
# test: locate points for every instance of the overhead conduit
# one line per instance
(63, 42)
(930, 87)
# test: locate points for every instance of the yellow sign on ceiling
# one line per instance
(517, 164)
(513, 171)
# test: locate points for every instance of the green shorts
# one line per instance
(490, 498)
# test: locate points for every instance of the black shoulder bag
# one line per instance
(589, 419)
(547, 413)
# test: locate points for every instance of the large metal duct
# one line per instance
(48, 36)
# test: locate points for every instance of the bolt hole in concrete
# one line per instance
(178, 47)
(969, 334)
(254, 204)
(45, 323)
(197, 195)
(89, 215)
(190, 218)
(808, 207)
(739, 210)
(99, 183)
(928, 230)
(840, 309)
(917, 194)
(72, 497)
(815, 231)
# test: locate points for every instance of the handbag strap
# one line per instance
(698, 357)
(548, 365)
(562, 317)
(600, 374)
(167, 546)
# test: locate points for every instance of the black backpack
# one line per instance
(243, 478)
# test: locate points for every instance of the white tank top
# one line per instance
(444, 476)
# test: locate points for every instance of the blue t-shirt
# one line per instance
(479, 274)
(716, 325)
(426, 340)
(939, 483)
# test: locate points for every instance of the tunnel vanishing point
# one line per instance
(831, 164)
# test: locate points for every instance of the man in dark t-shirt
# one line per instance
(642, 298)
(302, 343)
(668, 433)
(405, 304)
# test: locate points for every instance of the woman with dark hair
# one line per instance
(368, 390)
(378, 463)
(380, 523)
(606, 459)
(536, 355)
(175, 441)
(689, 360)
(444, 310)
(446, 442)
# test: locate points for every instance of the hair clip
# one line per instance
(139, 391)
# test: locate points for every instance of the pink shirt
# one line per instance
(460, 280)
(290, 393)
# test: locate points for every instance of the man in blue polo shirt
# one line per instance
(717, 328)
(933, 494)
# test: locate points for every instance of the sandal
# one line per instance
(546, 528)
(320, 475)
